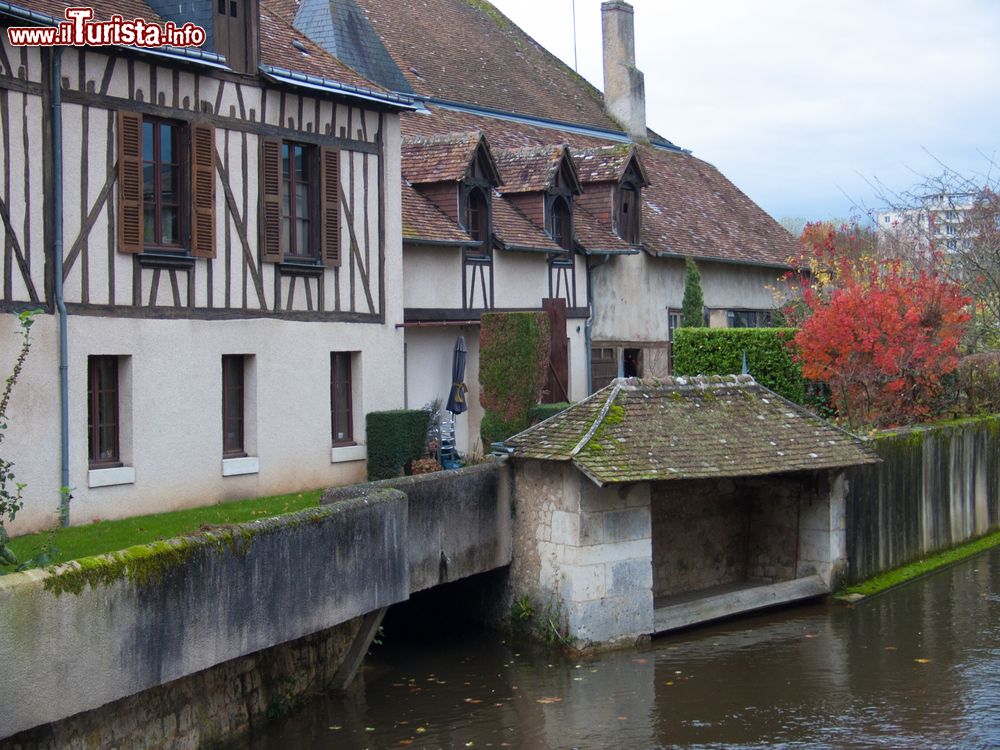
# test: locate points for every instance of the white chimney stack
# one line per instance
(624, 89)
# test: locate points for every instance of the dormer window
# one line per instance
(236, 33)
(628, 217)
(477, 215)
(561, 223)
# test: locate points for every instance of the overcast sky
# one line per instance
(801, 102)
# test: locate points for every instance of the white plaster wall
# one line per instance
(432, 277)
(520, 279)
(428, 377)
(633, 293)
(175, 420)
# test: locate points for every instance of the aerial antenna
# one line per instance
(575, 66)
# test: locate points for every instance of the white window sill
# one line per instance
(234, 467)
(111, 477)
(341, 453)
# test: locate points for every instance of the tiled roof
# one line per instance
(692, 428)
(604, 163)
(690, 208)
(515, 230)
(529, 169)
(276, 48)
(594, 236)
(103, 9)
(468, 51)
(422, 220)
(439, 158)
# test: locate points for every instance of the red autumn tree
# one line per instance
(883, 335)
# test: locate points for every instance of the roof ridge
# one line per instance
(615, 390)
(443, 139)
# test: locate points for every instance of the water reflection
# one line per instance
(917, 667)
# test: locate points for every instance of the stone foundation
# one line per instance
(218, 704)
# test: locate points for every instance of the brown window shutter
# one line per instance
(130, 220)
(203, 191)
(330, 206)
(270, 193)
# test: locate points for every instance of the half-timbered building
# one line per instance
(213, 236)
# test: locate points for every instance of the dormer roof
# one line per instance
(609, 163)
(515, 231)
(538, 169)
(425, 223)
(453, 157)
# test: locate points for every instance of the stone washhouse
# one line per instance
(653, 505)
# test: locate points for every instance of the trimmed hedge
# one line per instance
(513, 365)
(394, 438)
(719, 351)
(541, 412)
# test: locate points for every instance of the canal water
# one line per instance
(918, 667)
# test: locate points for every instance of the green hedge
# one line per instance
(393, 439)
(719, 351)
(541, 412)
(513, 368)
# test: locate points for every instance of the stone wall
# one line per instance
(936, 487)
(582, 553)
(719, 531)
(106, 628)
(458, 522)
(218, 704)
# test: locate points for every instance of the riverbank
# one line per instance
(919, 568)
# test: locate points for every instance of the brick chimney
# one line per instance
(624, 90)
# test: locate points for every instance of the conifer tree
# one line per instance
(693, 308)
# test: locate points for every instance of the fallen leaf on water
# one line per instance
(622, 718)
(810, 635)
(669, 682)
(548, 700)
(369, 729)
(420, 730)
(473, 700)
(335, 728)
(470, 743)
(922, 661)
(890, 648)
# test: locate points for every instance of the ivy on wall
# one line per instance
(719, 351)
(513, 365)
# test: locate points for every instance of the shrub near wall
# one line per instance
(513, 368)
(394, 438)
(719, 351)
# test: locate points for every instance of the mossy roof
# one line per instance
(689, 428)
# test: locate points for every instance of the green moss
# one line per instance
(919, 568)
(148, 563)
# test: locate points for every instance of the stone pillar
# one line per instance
(823, 530)
(583, 553)
(624, 87)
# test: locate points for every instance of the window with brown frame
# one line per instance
(297, 191)
(341, 408)
(300, 203)
(166, 186)
(103, 412)
(233, 405)
(162, 183)
(629, 214)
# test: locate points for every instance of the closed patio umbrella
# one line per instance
(456, 396)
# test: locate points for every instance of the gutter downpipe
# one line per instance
(57, 203)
